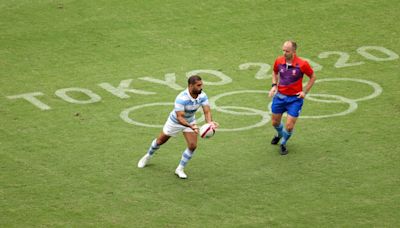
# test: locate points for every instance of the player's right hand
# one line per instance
(195, 128)
(272, 91)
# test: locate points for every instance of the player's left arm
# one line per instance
(207, 115)
(310, 73)
(310, 83)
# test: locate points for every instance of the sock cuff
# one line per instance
(154, 144)
(287, 132)
(188, 154)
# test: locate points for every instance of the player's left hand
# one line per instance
(215, 124)
(301, 94)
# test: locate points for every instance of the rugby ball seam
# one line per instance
(206, 131)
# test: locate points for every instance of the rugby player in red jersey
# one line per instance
(287, 92)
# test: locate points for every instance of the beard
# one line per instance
(198, 91)
(288, 56)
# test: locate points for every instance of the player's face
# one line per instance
(288, 51)
(197, 87)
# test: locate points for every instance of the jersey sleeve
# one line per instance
(276, 70)
(179, 105)
(204, 101)
(306, 68)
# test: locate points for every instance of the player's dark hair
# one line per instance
(193, 79)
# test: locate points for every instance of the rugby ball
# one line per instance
(207, 130)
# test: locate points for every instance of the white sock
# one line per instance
(186, 156)
(153, 147)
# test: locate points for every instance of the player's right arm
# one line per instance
(180, 116)
(275, 72)
(274, 84)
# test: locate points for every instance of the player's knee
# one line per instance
(275, 123)
(276, 120)
(289, 127)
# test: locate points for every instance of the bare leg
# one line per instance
(276, 119)
(162, 138)
(290, 122)
(155, 145)
(191, 141)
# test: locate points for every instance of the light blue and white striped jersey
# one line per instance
(185, 102)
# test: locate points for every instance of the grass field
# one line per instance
(69, 159)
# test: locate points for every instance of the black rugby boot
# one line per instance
(275, 140)
(284, 151)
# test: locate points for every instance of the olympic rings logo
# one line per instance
(265, 116)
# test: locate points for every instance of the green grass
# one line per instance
(75, 164)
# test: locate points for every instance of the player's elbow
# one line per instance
(313, 77)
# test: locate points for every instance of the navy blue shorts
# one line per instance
(290, 104)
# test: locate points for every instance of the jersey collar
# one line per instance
(294, 60)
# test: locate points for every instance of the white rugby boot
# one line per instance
(180, 173)
(144, 160)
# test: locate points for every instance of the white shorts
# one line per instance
(172, 129)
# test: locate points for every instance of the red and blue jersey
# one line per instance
(291, 76)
